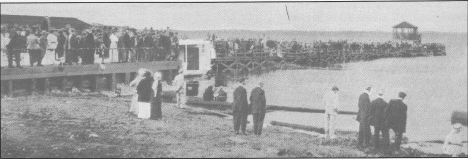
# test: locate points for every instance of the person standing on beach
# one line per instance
(362, 116)
(396, 114)
(258, 102)
(377, 119)
(453, 141)
(179, 82)
(240, 107)
(145, 91)
(156, 113)
(332, 104)
(134, 84)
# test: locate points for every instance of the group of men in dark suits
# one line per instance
(241, 108)
(382, 116)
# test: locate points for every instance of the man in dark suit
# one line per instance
(396, 117)
(258, 102)
(377, 119)
(72, 46)
(149, 44)
(88, 57)
(106, 40)
(127, 44)
(362, 116)
(240, 107)
(14, 47)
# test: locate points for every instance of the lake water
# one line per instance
(435, 87)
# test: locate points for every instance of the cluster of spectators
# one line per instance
(233, 46)
(70, 45)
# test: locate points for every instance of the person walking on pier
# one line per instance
(240, 107)
(258, 104)
(362, 117)
(377, 119)
(33, 47)
(332, 104)
(14, 47)
(179, 82)
(396, 114)
(88, 54)
(156, 113)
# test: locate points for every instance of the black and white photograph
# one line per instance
(234, 79)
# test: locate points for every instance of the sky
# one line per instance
(308, 16)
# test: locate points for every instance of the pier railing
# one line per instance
(106, 55)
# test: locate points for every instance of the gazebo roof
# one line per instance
(404, 25)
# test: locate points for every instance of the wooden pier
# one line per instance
(97, 77)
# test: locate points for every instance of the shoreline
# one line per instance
(93, 126)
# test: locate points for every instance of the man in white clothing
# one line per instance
(332, 104)
(179, 82)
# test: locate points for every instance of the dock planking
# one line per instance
(77, 70)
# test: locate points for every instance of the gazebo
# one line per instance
(406, 31)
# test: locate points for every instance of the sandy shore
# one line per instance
(90, 126)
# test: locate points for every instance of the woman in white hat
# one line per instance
(453, 141)
(134, 84)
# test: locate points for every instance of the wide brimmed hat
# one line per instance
(457, 126)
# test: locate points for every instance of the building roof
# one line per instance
(404, 25)
(55, 22)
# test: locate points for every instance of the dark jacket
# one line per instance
(208, 94)
(363, 104)
(396, 115)
(157, 98)
(149, 42)
(240, 103)
(131, 43)
(61, 41)
(74, 42)
(15, 42)
(258, 100)
(144, 90)
(90, 41)
(106, 40)
(126, 40)
(165, 42)
(377, 113)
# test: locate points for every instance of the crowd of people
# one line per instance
(232, 46)
(69, 45)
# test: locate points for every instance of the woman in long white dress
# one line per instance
(134, 84)
(114, 53)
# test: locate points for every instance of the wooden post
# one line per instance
(96, 83)
(47, 86)
(33, 86)
(10, 88)
(63, 83)
(127, 78)
(113, 82)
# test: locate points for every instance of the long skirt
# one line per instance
(134, 104)
(156, 112)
